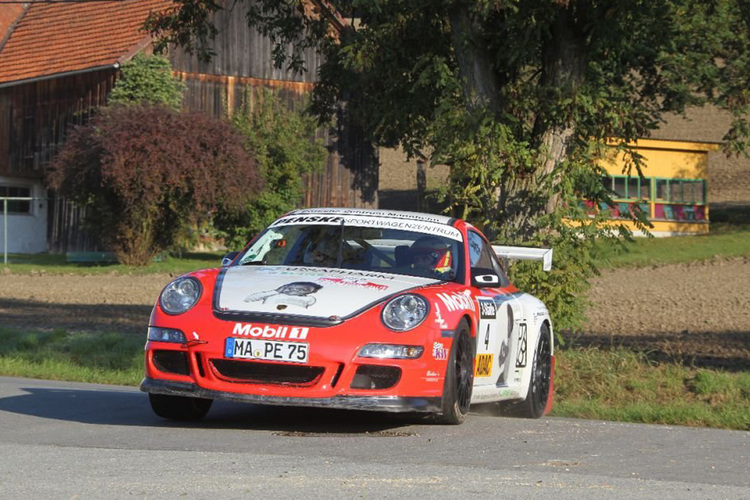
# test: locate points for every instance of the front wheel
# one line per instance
(179, 407)
(459, 378)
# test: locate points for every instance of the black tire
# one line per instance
(179, 407)
(459, 378)
(541, 373)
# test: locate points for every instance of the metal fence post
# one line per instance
(5, 231)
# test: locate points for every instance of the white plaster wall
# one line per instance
(26, 233)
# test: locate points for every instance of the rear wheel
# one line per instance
(179, 407)
(459, 378)
(541, 373)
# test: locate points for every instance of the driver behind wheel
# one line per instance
(431, 256)
(323, 252)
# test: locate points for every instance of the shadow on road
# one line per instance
(126, 408)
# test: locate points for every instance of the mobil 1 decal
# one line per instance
(522, 353)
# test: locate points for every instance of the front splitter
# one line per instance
(372, 403)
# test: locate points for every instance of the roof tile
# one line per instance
(62, 37)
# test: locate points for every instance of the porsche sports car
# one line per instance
(358, 309)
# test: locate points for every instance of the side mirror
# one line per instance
(484, 278)
(228, 258)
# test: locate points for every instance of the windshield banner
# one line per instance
(432, 228)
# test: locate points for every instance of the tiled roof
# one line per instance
(54, 38)
(8, 15)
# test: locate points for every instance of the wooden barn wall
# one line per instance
(350, 176)
(65, 228)
(36, 115)
(241, 51)
(33, 120)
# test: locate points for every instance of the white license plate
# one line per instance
(269, 350)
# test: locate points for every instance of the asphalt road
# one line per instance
(66, 440)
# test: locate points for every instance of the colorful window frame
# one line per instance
(668, 199)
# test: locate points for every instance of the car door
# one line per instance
(495, 339)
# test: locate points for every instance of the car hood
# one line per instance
(307, 291)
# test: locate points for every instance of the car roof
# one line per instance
(391, 214)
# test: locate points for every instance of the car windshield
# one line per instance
(354, 247)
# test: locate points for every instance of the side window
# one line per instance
(476, 243)
(481, 255)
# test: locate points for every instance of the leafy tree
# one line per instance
(284, 143)
(147, 79)
(520, 98)
(145, 171)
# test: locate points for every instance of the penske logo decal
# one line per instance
(270, 332)
(484, 365)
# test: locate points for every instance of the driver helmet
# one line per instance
(322, 252)
(429, 252)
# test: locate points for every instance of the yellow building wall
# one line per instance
(674, 159)
(670, 160)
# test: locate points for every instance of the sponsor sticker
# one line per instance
(483, 365)
(420, 226)
(439, 318)
(270, 332)
(456, 301)
(522, 346)
(363, 212)
(320, 272)
(353, 282)
(487, 308)
(297, 294)
(439, 351)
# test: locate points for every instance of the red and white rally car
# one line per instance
(359, 309)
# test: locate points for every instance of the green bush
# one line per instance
(145, 172)
(284, 143)
(147, 79)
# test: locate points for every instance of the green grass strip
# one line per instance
(109, 358)
(724, 241)
(56, 264)
(625, 386)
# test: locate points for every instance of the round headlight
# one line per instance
(180, 295)
(405, 312)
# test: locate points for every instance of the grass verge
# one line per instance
(110, 358)
(625, 386)
(591, 383)
(56, 264)
(725, 241)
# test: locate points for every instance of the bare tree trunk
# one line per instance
(517, 202)
(563, 69)
(563, 66)
(474, 61)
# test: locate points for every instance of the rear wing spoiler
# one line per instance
(525, 253)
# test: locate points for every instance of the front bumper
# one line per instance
(371, 403)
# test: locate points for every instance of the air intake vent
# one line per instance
(266, 373)
(376, 377)
(171, 362)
